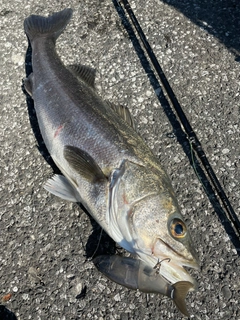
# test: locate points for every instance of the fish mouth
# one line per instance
(172, 264)
(193, 262)
(174, 272)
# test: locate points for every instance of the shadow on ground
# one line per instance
(6, 314)
(219, 18)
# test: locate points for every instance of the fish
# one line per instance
(109, 169)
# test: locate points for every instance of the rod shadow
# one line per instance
(177, 129)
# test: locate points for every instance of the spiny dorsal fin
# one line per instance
(83, 163)
(84, 73)
(123, 112)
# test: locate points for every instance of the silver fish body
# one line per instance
(105, 164)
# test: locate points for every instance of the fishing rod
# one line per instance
(193, 139)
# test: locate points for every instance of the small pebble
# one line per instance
(117, 297)
(225, 151)
(226, 292)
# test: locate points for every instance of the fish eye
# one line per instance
(178, 228)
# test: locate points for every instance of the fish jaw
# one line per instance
(172, 270)
(187, 257)
(169, 263)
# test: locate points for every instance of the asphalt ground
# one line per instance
(45, 242)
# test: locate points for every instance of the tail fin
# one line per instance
(50, 27)
(179, 293)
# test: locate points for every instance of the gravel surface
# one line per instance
(45, 242)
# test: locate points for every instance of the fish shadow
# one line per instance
(6, 314)
(98, 242)
(177, 129)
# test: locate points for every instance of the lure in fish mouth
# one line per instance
(135, 274)
(107, 166)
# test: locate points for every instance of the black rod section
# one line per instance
(187, 127)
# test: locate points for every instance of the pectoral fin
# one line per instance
(83, 164)
(28, 84)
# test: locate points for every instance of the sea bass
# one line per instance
(107, 167)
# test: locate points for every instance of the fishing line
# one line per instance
(229, 213)
(99, 240)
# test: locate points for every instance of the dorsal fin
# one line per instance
(123, 112)
(84, 73)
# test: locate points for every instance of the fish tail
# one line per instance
(50, 27)
(178, 294)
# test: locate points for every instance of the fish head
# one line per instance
(162, 237)
(146, 220)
